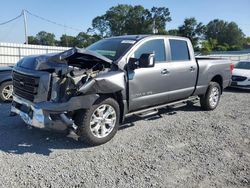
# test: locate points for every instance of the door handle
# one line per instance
(165, 71)
(192, 69)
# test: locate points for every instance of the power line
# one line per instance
(23, 14)
(53, 22)
(5, 34)
(3, 23)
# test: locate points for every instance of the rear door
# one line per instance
(182, 68)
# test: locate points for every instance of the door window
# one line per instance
(156, 46)
(179, 50)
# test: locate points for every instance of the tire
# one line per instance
(6, 90)
(92, 122)
(212, 97)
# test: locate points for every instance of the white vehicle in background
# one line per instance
(241, 75)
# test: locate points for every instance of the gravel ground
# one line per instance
(182, 147)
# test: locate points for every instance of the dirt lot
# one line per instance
(183, 147)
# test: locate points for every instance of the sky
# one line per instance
(79, 14)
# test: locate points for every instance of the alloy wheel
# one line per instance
(214, 97)
(7, 92)
(103, 121)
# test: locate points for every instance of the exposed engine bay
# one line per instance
(69, 72)
(67, 83)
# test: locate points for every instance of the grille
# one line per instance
(239, 78)
(25, 86)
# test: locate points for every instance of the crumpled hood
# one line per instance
(62, 59)
(85, 55)
(241, 72)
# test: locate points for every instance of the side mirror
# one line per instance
(147, 60)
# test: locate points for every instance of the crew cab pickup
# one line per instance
(90, 91)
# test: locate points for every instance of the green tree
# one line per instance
(228, 34)
(32, 40)
(44, 38)
(208, 45)
(216, 29)
(127, 19)
(174, 32)
(234, 35)
(192, 30)
(138, 21)
(247, 42)
(83, 39)
(100, 24)
(160, 16)
(67, 40)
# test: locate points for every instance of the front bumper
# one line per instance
(240, 85)
(51, 115)
(39, 118)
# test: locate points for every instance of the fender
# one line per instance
(105, 83)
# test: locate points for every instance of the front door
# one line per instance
(147, 86)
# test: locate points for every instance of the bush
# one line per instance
(234, 48)
(224, 47)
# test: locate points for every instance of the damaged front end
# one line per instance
(49, 89)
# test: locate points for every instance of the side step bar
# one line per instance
(148, 113)
(154, 110)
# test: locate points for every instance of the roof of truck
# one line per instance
(139, 37)
(130, 37)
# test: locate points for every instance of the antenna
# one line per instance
(25, 26)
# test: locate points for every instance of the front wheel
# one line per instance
(212, 97)
(98, 124)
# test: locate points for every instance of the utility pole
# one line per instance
(25, 26)
(154, 26)
(155, 30)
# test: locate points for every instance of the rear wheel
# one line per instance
(98, 124)
(212, 97)
(6, 91)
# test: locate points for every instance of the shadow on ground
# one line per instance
(129, 122)
(18, 138)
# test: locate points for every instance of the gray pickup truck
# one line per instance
(90, 91)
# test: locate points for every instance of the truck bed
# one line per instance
(210, 68)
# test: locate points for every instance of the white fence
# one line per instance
(234, 58)
(10, 53)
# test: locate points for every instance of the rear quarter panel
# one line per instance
(208, 69)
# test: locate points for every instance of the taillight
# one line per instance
(231, 68)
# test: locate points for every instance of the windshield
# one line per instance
(242, 65)
(111, 48)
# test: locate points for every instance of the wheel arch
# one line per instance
(118, 96)
(218, 79)
(3, 81)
